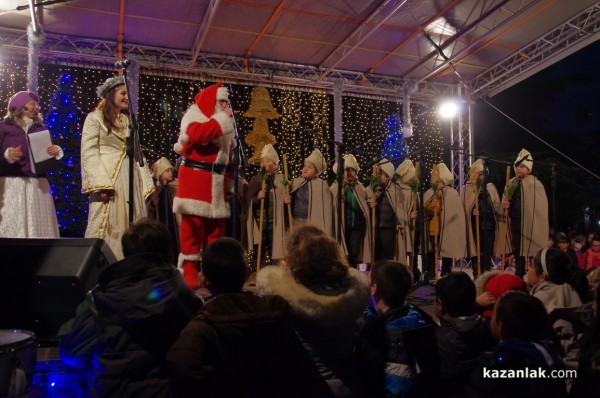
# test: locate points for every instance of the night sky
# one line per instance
(561, 105)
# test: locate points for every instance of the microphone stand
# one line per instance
(238, 160)
(422, 221)
(553, 186)
(133, 147)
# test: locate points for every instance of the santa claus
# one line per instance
(206, 139)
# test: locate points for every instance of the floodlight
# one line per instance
(448, 109)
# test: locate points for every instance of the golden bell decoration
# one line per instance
(261, 109)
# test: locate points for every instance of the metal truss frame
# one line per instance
(84, 52)
(547, 49)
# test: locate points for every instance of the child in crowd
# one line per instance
(549, 277)
(236, 344)
(588, 347)
(518, 323)
(311, 197)
(592, 259)
(124, 328)
(396, 341)
(491, 285)
(463, 334)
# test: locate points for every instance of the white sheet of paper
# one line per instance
(39, 143)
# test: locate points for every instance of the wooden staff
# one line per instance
(505, 216)
(413, 221)
(435, 231)
(287, 191)
(373, 216)
(261, 220)
(343, 210)
(477, 226)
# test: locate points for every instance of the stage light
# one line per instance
(448, 109)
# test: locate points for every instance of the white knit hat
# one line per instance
(524, 158)
(160, 166)
(270, 153)
(406, 171)
(386, 167)
(445, 174)
(317, 160)
(475, 169)
(350, 162)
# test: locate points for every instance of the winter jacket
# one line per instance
(238, 344)
(512, 355)
(397, 352)
(460, 341)
(12, 135)
(323, 318)
(556, 296)
(122, 331)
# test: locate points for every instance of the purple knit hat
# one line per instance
(20, 99)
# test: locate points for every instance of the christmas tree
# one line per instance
(394, 147)
(65, 181)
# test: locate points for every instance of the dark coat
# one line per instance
(511, 355)
(237, 345)
(460, 341)
(11, 136)
(323, 318)
(142, 305)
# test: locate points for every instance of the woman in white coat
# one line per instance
(105, 168)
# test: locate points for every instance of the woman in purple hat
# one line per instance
(26, 207)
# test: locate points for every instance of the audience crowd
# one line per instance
(314, 326)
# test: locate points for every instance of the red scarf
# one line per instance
(593, 259)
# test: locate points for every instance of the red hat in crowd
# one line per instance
(501, 283)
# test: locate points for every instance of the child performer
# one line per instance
(311, 198)
(273, 231)
(161, 205)
(444, 208)
(355, 231)
(389, 216)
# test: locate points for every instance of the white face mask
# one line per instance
(528, 285)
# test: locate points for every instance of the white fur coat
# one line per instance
(341, 307)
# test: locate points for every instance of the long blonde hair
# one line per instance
(110, 113)
(17, 117)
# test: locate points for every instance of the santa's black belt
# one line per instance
(215, 168)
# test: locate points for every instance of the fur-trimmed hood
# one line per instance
(343, 306)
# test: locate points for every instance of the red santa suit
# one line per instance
(205, 141)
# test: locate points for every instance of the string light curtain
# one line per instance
(305, 123)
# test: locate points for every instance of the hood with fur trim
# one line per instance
(335, 308)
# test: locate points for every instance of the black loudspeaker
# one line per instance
(43, 280)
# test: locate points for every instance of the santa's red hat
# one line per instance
(206, 99)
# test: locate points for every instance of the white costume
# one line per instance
(105, 166)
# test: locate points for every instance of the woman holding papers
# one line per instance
(105, 168)
(26, 203)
